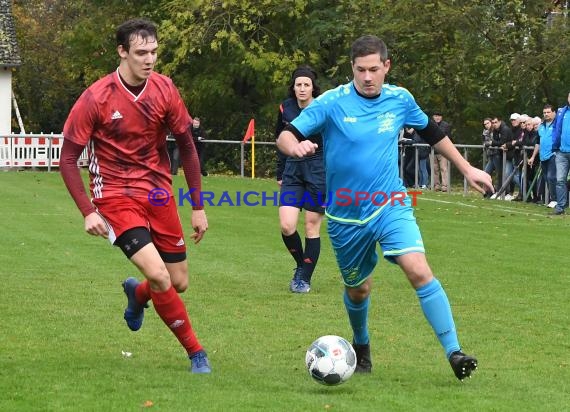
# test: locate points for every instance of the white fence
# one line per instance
(44, 150)
(33, 150)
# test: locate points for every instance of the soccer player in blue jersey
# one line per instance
(360, 123)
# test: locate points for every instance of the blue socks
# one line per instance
(358, 317)
(434, 304)
(437, 311)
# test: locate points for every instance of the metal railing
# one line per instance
(524, 184)
(16, 151)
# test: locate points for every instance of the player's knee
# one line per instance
(312, 232)
(177, 268)
(359, 293)
(159, 278)
(180, 285)
(312, 228)
(418, 279)
(288, 228)
(416, 268)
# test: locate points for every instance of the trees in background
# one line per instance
(64, 45)
(232, 59)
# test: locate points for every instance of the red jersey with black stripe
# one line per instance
(126, 134)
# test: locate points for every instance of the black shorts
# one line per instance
(303, 184)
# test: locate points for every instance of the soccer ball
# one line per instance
(330, 360)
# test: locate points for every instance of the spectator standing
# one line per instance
(406, 159)
(173, 154)
(561, 148)
(487, 141)
(508, 147)
(546, 155)
(410, 138)
(440, 163)
(530, 139)
(501, 134)
(199, 135)
(517, 147)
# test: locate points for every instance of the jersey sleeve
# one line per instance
(82, 118)
(70, 152)
(415, 116)
(312, 119)
(191, 166)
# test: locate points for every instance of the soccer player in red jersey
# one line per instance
(123, 119)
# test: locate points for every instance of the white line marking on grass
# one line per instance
(498, 208)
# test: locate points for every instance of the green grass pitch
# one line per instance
(505, 268)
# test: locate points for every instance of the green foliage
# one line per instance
(228, 58)
(232, 59)
(76, 47)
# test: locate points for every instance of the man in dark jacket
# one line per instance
(410, 138)
(501, 135)
(199, 136)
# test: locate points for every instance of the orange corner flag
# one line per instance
(250, 132)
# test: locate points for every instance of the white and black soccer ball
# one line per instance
(330, 360)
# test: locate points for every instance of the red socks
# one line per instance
(142, 292)
(172, 311)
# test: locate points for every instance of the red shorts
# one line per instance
(124, 213)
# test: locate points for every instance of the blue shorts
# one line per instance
(303, 185)
(396, 231)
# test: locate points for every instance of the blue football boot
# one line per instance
(134, 313)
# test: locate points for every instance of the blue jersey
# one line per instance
(545, 134)
(360, 137)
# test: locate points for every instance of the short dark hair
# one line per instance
(366, 45)
(135, 27)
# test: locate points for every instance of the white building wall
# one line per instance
(5, 100)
